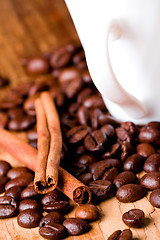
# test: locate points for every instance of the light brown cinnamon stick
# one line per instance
(27, 155)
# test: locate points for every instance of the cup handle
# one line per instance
(112, 90)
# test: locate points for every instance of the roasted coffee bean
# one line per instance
(29, 218)
(15, 113)
(14, 192)
(3, 181)
(53, 196)
(150, 133)
(8, 207)
(21, 124)
(154, 198)
(3, 120)
(32, 134)
(39, 87)
(134, 163)
(86, 77)
(83, 116)
(21, 181)
(102, 189)
(78, 57)
(110, 174)
(29, 204)
(77, 169)
(85, 159)
(57, 205)
(108, 129)
(113, 151)
(94, 101)
(107, 119)
(94, 115)
(88, 212)
(60, 58)
(57, 95)
(145, 149)
(29, 192)
(130, 193)
(17, 172)
(54, 231)
(11, 102)
(28, 105)
(22, 88)
(83, 95)
(97, 169)
(123, 134)
(152, 164)
(126, 234)
(37, 65)
(125, 177)
(129, 127)
(76, 226)
(151, 180)
(51, 218)
(76, 134)
(3, 81)
(133, 218)
(4, 167)
(86, 178)
(95, 141)
(73, 108)
(127, 150)
(80, 150)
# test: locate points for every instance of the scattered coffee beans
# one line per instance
(121, 235)
(133, 218)
(88, 212)
(154, 198)
(76, 226)
(29, 218)
(8, 207)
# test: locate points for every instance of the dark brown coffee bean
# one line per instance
(151, 180)
(11, 102)
(134, 163)
(86, 178)
(8, 207)
(29, 218)
(129, 127)
(73, 109)
(78, 57)
(125, 177)
(86, 77)
(21, 181)
(17, 172)
(83, 116)
(88, 212)
(57, 95)
(21, 124)
(53, 196)
(32, 134)
(4, 167)
(3, 181)
(152, 164)
(123, 135)
(29, 192)
(145, 149)
(95, 141)
(97, 169)
(57, 205)
(3, 120)
(29, 204)
(37, 65)
(130, 193)
(22, 88)
(127, 150)
(3, 81)
(108, 129)
(60, 58)
(113, 151)
(126, 234)
(133, 218)
(14, 192)
(94, 101)
(150, 133)
(154, 198)
(76, 134)
(54, 231)
(29, 105)
(110, 174)
(94, 115)
(76, 226)
(102, 189)
(80, 150)
(83, 95)
(39, 87)
(107, 119)
(85, 159)
(15, 113)
(51, 218)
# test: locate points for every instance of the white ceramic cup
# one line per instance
(121, 39)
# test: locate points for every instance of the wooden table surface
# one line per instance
(28, 28)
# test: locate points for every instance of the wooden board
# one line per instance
(28, 28)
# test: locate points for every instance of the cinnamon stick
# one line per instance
(27, 155)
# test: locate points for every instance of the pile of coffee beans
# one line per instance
(101, 152)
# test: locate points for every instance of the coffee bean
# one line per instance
(21, 181)
(54, 231)
(21, 124)
(29, 204)
(125, 177)
(3, 120)
(134, 163)
(15, 113)
(29, 218)
(150, 133)
(94, 101)
(78, 57)
(29, 105)
(11, 102)
(76, 169)
(76, 134)
(130, 193)
(151, 180)
(123, 134)
(129, 127)
(17, 172)
(3, 81)
(108, 129)
(29, 192)
(94, 115)
(4, 167)
(22, 88)
(95, 141)
(113, 151)
(145, 149)
(51, 218)
(97, 169)
(60, 58)
(83, 95)
(37, 65)
(152, 164)
(14, 192)
(102, 189)
(85, 159)
(83, 116)
(88, 212)
(53, 196)
(39, 87)
(133, 218)
(107, 119)
(57, 95)
(110, 174)
(57, 205)
(73, 108)
(76, 226)
(86, 178)
(3, 181)
(8, 207)
(127, 150)
(126, 234)
(86, 77)
(154, 198)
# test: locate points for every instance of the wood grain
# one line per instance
(29, 28)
